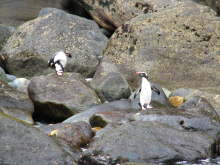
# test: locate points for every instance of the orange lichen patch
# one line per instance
(95, 129)
(176, 101)
(54, 132)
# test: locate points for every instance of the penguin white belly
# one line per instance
(59, 69)
(60, 56)
(145, 94)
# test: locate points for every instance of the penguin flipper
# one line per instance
(140, 105)
(51, 62)
(155, 90)
(135, 95)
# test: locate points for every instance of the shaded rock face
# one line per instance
(15, 104)
(33, 43)
(109, 83)
(5, 33)
(17, 12)
(57, 97)
(214, 4)
(28, 145)
(177, 46)
(75, 135)
(144, 141)
(111, 14)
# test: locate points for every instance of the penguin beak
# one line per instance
(137, 72)
(68, 55)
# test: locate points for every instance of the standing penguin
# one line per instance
(58, 62)
(145, 91)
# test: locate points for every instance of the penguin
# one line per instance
(58, 62)
(146, 91)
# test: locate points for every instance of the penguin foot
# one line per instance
(59, 73)
(148, 106)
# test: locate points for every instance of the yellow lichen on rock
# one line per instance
(95, 129)
(54, 132)
(176, 101)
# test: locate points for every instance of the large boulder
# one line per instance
(150, 141)
(177, 46)
(109, 83)
(15, 104)
(58, 97)
(75, 135)
(111, 14)
(34, 42)
(28, 145)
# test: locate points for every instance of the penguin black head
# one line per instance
(142, 74)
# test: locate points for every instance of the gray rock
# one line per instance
(152, 142)
(116, 108)
(109, 83)
(30, 47)
(59, 97)
(211, 95)
(28, 145)
(75, 135)
(197, 104)
(5, 33)
(15, 104)
(182, 120)
(191, 61)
